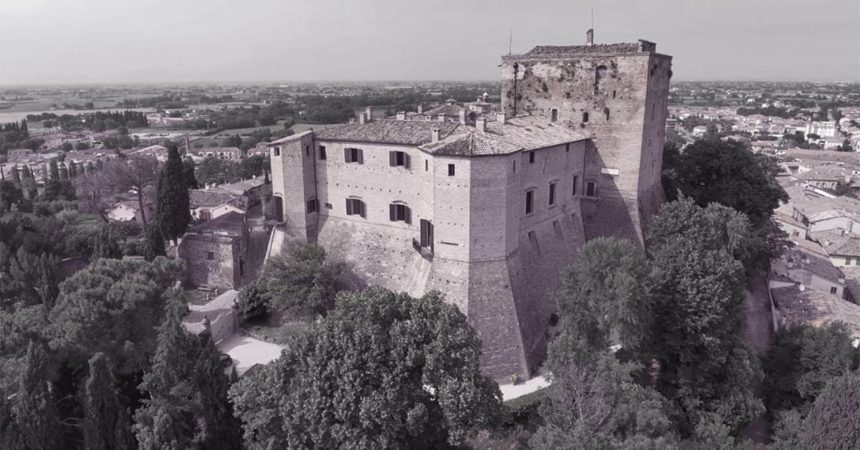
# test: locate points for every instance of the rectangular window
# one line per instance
(355, 207)
(210, 255)
(398, 212)
(276, 151)
(426, 165)
(515, 167)
(557, 228)
(450, 170)
(426, 233)
(531, 157)
(530, 201)
(312, 206)
(307, 150)
(590, 189)
(400, 159)
(353, 155)
(551, 194)
(575, 185)
(322, 153)
(847, 261)
(833, 290)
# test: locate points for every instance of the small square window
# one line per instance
(396, 159)
(355, 207)
(353, 155)
(399, 213)
(276, 151)
(450, 170)
(210, 255)
(590, 189)
(322, 153)
(833, 290)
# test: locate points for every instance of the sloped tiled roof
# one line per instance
(519, 133)
(808, 306)
(209, 197)
(445, 110)
(386, 131)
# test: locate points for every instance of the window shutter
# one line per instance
(349, 207)
(392, 212)
(392, 159)
(362, 210)
(360, 156)
(425, 230)
(346, 155)
(407, 214)
(406, 161)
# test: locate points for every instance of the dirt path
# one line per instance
(758, 334)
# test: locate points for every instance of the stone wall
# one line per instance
(626, 112)
(221, 270)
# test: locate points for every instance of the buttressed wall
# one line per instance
(618, 93)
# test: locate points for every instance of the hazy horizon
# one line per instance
(101, 42)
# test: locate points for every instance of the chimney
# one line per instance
(420, 109)
(434, 133)
(401, 115)
(589, 37)
(362, 118)
(481, 124)
(502, 118)
(463, 117)
(369, 113)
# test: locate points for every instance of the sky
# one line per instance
(142, 41)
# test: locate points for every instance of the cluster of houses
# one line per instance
(817, 280)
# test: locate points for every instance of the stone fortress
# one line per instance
(490, 208)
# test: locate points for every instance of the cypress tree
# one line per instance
(222, 429)
(154, 244)
(188, 170)
(107, 243)
(106, 423)
(16, 177)
(36, 413)
(24, 126)
(54, 170)
(173, 209)
(73, 169)
(48, 288)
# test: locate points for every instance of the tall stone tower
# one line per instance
(619, 94)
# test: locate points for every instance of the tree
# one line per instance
(106, 424)
(304, 281)
(832, 421)
(10, 194)
(173, 212)
(107, 243)
(606, 293)
(188, 171)
(727, 173)
(48, 288)
(699, 281)
(594, 403)
(136, 174)
(253, 301)
(153, 245)
(383, 370)
(112, 306)
(187, 388)
(36, 412)
(802, 360)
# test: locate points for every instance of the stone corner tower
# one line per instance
(619, 94)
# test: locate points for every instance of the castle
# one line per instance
(488, 209)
